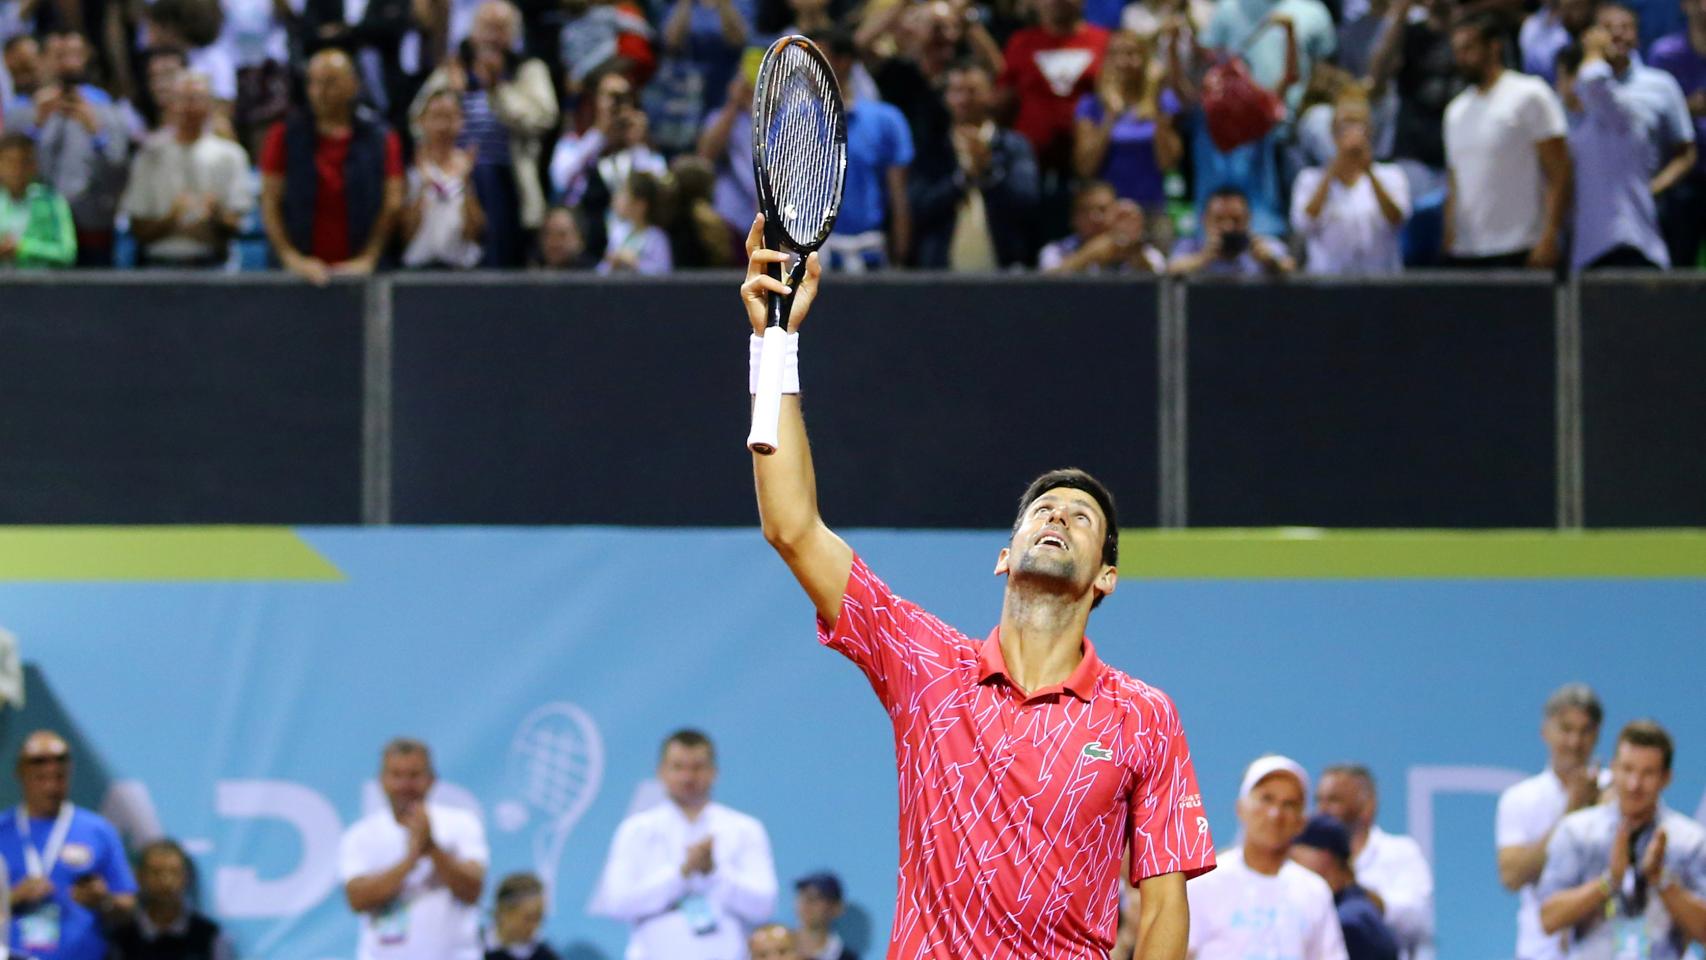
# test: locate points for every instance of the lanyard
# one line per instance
(42, 863)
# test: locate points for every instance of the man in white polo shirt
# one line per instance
(413, 870)
(1258, 902)
(1530, 810)
(691, 877)
(1508, 161)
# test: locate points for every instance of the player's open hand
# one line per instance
(760, 284)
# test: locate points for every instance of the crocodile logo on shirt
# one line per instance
(1094, 751)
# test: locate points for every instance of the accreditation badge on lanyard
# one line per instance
(1630, 939)
(38, 929)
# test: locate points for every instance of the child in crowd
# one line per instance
(637, 244)
(517, 914)
(35, 221)
(562, 244)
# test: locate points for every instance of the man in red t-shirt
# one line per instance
(1027, 767)
(1048, 68)
(331, 181)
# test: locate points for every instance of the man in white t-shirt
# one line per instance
(690, 877)
(1529, 810)
(1389, 867)
(1258, 902)
(413, 870)
(1508, 162)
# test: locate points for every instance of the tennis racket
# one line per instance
(799, 159)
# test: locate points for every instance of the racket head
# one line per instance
(799, 144)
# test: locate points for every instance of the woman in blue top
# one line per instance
(1126, 134)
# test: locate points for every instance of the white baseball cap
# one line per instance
(1273, 763)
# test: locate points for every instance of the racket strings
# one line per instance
(801, 150)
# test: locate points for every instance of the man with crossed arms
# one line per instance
(1027, 766)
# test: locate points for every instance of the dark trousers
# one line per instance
(1682, 218)
(1622, 256)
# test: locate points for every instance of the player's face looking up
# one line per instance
(1272, 815)
(406, 778)
(1059, 542)
(1570, 734)
(687, 774)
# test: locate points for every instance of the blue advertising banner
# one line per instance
(232, 688)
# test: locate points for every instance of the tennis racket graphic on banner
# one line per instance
(556, 764)
(799, 160)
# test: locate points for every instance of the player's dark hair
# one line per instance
(691, 739)
(1076, 479)
(1648, 733)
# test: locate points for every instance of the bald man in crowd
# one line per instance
(331, 179)
(69, 876)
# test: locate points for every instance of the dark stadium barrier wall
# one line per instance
(600, 402)
(1372, 405)
(1643, 376)
(1434, 400)
(128, 398)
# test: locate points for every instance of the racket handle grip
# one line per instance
(767, 403)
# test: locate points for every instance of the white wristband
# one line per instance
(790, 363)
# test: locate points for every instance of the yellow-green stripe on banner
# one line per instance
(155, 554)
(1316, 554)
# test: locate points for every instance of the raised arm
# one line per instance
(787, 487)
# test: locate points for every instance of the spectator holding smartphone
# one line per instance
(1227, 247)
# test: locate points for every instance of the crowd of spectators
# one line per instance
(1595, 854)
(341, 136)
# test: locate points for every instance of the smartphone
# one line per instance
(1234, 242)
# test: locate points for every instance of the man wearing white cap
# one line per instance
(1259, 903)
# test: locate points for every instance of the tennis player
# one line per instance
(1028, 767)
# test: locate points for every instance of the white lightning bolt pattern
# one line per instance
(1014, 814)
